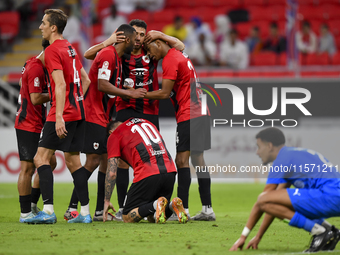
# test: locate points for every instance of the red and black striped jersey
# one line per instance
(139, 143)
(34, 79)
(61, 55)
(186, 93)
(99, 106)
(140, 72)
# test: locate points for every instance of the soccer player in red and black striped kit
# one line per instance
(29, 121)
(180, 83)
(138, 142)
(65, 125)
(139, 72)
(106, 76)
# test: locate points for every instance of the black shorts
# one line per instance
(27, 144)
(73, 142)
(95, 139)
(148, 190)
(125, 114)
(194, 135)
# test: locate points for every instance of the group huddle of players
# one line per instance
(123, 74)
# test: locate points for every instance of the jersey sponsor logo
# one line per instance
(104, 74)
(155, 153)
(95, 146)
(296, 193)
(129, 82)
(141, 84)
(36, 82)
(139, 71)
(106, 65)
(146, 59)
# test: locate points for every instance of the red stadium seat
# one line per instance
(259, 13)
(282, 59)
(331, 11)
(336, 59)
(278, 12)
(276, 2)
(334, 27)
(166, 15)
(311, 13)
(143, 15)
(337, 42)
(97, 30)
(232, 3)
(308, 2)
(248, 3)
(317, 59)
(157, 25)
(41, 5)
(243, 29)
(208, 14)
(187, 14)
(204, 3)
(264, 59)
(180, 3)
(9, 25)
(101, 5)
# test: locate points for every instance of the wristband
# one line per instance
(245, 231)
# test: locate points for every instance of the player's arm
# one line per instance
(108, 88)
(172, 41)
(110, 181)
(114, 38)
(39, 98)
(163, 93)
(85, 80)
(254, 217)
(268, 219)
(60, 93)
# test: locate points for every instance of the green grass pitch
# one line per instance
(231, 202)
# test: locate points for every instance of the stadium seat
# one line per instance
(243, 29)
(143, 15)
(282, 59)
(180, 3)
(278, 12)
(276, 2)
(331, 12)
(9, 25)
(337, 42)
(308, 2)
(166, 15)
(187, 14)
(208, 14)
(248, 3)
(40, 5)
(103, 4)
(204, 3)
(317, 59)
(334, 26)
(231, 3)
(259, 13)
(336, 59)
(311, 13)
(97, 30)
(264, 59)
(157, 25)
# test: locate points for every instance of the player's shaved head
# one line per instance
(272, 135)
(127, 29)
(130, 34)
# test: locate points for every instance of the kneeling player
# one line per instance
(138, 143)
(316, 197)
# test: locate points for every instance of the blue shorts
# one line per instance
(316, 203)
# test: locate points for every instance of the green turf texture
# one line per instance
(231, 202)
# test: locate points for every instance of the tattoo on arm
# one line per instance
(110, 179)
(135, 217)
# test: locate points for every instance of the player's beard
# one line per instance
(129, 48)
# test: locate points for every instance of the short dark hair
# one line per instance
(127, 29)
(273, 25)
(112, 124)
(272, 135)
(256, 28)
(45, 43)
(138, 23)
(305, 23)
(233, 31)
(58, 18)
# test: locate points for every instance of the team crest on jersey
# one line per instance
(36, 82)
(105, 65)
(146, 59)
(95, 146)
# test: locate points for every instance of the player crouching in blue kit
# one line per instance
(316, 195)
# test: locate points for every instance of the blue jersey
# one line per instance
(303, 168)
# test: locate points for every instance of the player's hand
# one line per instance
(152, 35)
(116, 37)
(107, 206)
(138, 93)
(60, 128)
(238, 244)
(253, 243)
